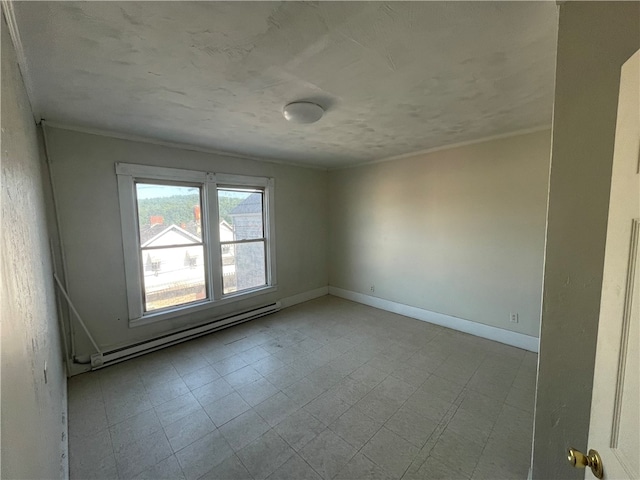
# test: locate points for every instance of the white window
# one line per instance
(193, 239)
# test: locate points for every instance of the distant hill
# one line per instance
(178, 209)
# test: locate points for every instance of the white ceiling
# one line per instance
(395, 77)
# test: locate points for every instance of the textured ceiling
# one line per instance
(394, 77)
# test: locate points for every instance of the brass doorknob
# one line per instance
(578, 459)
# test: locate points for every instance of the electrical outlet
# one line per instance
(373, 288)
(513, 317)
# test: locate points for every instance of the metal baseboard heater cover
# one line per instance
(100, 360)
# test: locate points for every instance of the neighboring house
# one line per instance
(172, 272)
(176, 273)
(228, 260)
(247, 217)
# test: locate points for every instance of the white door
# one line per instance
(614, 429)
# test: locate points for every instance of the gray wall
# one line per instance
(85, 179)
(458, 231)
(32, 410)
(594, 40)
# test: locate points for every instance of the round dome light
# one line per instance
(303, 112)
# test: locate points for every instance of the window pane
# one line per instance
(173, 276)
(168, 214)
(243, 267)
(241, 214)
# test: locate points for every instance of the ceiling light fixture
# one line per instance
(303, 112)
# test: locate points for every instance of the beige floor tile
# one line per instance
(163, 392)
(200, 377)
(212, 391)
(101, 469)
(355, 427)
(185, 364)
(203, 454)
(299, 428)
(254, 354)
(144, 453)
(229, 364)
(167, 469)
(471, 425)
(360, 467)
(395, 388)
(267, 365)
(369, 376)
(411, 426)
(350, 366)
(458, 452)
(89, 454)
(378, 406)
(243, 376)
(226, 409)
(303, 391)
(187, 430)
(87, 418)
(412, 375)
(295, 469)
(230, 469)
(276, 408)
(134, 429)
(244, 429)
(159, 376)
(177, 408)
(327, 454)
(265, 455)
(481, 405)
(327, 407)
(435, 469)
(257, 392)
(390, 452)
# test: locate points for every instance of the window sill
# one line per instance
(187, 309)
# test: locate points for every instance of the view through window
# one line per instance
(242, 239)
(172, 250)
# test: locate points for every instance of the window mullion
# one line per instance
(177, 245)
(249, 240)
(270, 233)
(215, 259)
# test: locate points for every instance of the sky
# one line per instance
(147, 190)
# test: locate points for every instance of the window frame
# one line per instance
(130, 174)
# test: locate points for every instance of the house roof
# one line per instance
(150, 232)
(189, 237)
(147, 232)
(224, 224)
(251, 204)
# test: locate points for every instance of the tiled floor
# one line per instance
(326, 389)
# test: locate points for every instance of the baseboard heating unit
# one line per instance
(104, 359)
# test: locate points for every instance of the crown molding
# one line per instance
(450, 146)
(170, 144)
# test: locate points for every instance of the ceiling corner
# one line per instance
(10, 18)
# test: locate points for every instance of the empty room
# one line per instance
(320, 240)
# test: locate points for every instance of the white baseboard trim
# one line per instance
(501, 335)
(304, 297)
